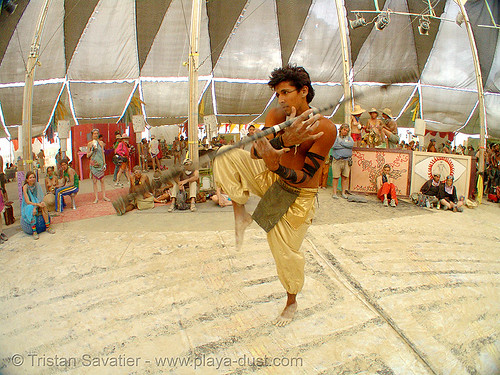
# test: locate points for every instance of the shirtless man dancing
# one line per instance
(284, 168)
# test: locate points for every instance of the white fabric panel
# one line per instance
(241, 98)
(394, 98)
(93, 100)
(320, 34)
(493, 114)
(170, 48)
(166, 99)
(253, 51)
(446, 109)
(493, 82)
(390, 52)
(166, 132)
(450, 62)
(326, 96)
(108, 46)
(44, 98)
(51, 44)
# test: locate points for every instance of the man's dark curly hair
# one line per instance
(296, 75)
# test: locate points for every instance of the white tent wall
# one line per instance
(110, 49)
(321, 21)
(388, 54)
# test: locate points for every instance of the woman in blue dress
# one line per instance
(34, 214)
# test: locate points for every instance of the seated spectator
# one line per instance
(430, 190)
(221, 198)
(341, 160)
(447, 196)
(160, 194)
(50, 181)
(188, 178)
(144, 201)
(34, 215)
(70, 186)
(386, 190)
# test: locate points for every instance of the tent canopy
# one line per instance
(96, 55)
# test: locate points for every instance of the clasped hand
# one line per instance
(302, 129)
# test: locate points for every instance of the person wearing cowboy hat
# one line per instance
(389, 129)
(356, 125)
(432, 146)
(373, 129)
(123, 151)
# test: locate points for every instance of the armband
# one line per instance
(277, 143)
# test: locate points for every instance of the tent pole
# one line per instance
(479, 82)
(346, 60)
(28, 88)
(193, 82)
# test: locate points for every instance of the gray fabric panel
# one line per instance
(149, 16)
(8, 23)
(44, 99)
(76, 17)
(486, 38)
(291, 17)
(222, 16)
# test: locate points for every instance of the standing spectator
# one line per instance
(3, 236)
(373, 135)
(95, 151)
(470, 151)
(123, 151)
(41, 160)
(386, 190)
(3, 180)
(342, 160)
(144, 154)
(432, 146)
(154, 150)
(184, 147)
(176, 147)
(251, 131)
(356, 124)
(389, 129)
(448, 196)
(59, 158)
(325, 171)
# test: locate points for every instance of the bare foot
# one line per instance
(106, 199)
(286, 316)
(96, 200)
(242, 220)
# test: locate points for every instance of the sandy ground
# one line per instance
(399, 290)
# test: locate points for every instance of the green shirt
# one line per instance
(75, 179)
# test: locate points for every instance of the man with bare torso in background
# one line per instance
(373, 129)
(284, 171)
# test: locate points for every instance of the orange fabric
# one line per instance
(390, 190)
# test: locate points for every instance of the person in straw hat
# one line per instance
(356, 125)
(389, 129)
(373, 129)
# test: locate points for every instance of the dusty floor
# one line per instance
(387, 291)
